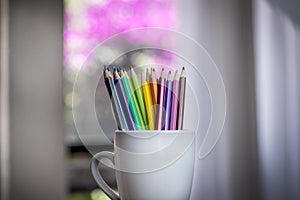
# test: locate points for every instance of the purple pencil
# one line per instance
(168, 102)
(174, 110)
(160, 101)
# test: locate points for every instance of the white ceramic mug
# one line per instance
(150, 165)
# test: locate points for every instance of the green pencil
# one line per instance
(138, 93)
(137, 117)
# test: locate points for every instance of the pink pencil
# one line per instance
(175, 90)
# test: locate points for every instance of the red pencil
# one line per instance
(160, 121)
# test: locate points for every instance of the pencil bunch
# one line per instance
(148, 103)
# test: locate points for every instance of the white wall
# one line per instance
(224, 28)
(277, 62)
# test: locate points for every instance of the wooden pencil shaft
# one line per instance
(136, 104)
(113, 103)
(181, 98)
(168, 104)
(107, 87)
(116, 101)
(148, 102)
(174, 110)
(132, 106)
(153, 85)
(124, 103)
(147, 75)
(139, 96)
(160, 107)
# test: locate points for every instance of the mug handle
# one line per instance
(97, 176)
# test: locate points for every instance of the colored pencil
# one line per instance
(106, 81)
(138, 94)
(124, 101)
(147, 75)
(168, 102)
(135, 102)
(119, 114)
(174, 110)
(160, 121)
(182, 86)
(107, 84)
(148, 102)
(153, 85)
(131, 101)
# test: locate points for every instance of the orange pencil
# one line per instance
(153, 86)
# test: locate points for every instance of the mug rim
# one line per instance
(156, 131)
(147, 134)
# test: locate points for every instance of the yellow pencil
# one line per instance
(148, 102)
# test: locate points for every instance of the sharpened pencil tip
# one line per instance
(116, 75)
(121, 73)
(170, 75)
(162, 73)
(182, 72)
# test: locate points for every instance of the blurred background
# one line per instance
(255, 44)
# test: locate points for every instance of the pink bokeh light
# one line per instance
(90, 22)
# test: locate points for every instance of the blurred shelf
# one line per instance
(87, 140)
(78, 166)
(80, 177)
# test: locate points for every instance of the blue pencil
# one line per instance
(123, 100)
(168, 102)
(116, 100)
(109, 90)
